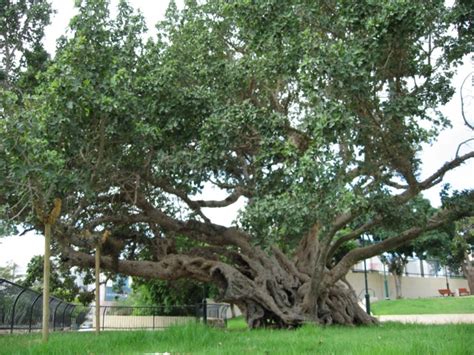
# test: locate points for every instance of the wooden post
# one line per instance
(46, 275)
(49, 221)
(99, 243)
(97, 289)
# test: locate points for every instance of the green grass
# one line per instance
(389, 338)
(438, 305)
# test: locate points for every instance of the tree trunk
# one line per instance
(274, 294)
(398, 285)
(468, 271)
(340, 306)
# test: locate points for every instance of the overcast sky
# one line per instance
(21, 249)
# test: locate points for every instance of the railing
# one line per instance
(155, 317)
(22, 309)
(440, 274)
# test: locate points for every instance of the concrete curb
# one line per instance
(429, 318)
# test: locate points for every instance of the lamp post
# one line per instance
(367, 296)
(385, 282)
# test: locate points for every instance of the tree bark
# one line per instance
(398, 285)
(269, 289)
(468, 271)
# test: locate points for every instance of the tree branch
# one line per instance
(353, 235)
(438, 175)
(171, 267)
(438, 220)
(207, 231)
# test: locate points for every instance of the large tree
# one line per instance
(312, 112)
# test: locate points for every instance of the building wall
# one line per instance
(412, 287)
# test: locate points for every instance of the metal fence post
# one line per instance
(31, 311)
(13, 309)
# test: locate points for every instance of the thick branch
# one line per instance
(172, 267)
(438, 220)
(233, 197)
(212, 233)
(196, 205)
(353, 235)
(119, 219)
(343, 219)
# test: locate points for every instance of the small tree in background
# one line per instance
(9, 272)
(457, 253)
(63, 281)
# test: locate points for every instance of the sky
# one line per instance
(21, 249)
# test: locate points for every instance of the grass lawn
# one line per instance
(389, 338)
(438, 305)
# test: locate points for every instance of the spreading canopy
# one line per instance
(311, 112)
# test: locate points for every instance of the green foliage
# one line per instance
(428, 246)
(62, 281)
(22, 26)
(8, 272)
(168, 293)
(455, 252)
(23, 151)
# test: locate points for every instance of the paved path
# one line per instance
(429, 318)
